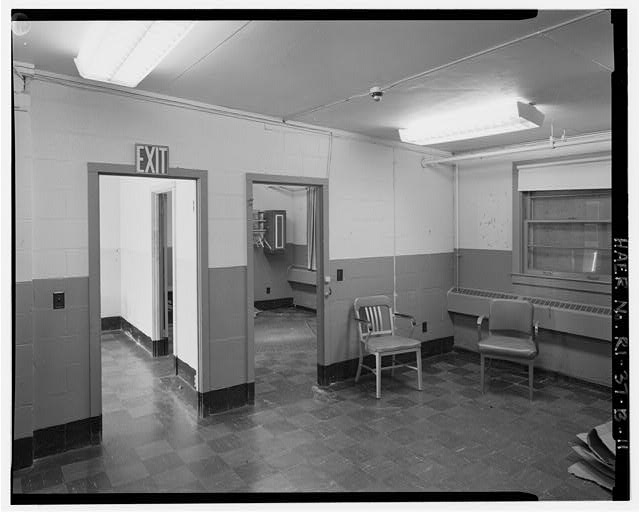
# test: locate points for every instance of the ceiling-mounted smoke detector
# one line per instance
(376, 93)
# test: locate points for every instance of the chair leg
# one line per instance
(530, 381)
(378, 375)
(482, 373)
(359, 368)
(419, 366)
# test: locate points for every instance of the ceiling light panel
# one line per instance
(496, 117)
(125, 52)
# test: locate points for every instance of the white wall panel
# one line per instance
(361, 200)
(423, 206)
(185, 292)
(110, 246)
(135, 251)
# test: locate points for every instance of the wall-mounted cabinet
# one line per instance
(276, 231)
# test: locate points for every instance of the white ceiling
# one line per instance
(280, 68)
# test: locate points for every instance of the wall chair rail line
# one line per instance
(512, 336)
(376, 335)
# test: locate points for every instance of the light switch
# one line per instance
(58, 300)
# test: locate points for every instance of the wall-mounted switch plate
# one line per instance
(58, 300)
(339, 276)
(268, 290)
(424, 327)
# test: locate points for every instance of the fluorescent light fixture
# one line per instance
(496, 117)
(125, 52)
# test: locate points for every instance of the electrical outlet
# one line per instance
(58, 300)
(268, 290)
(424, 327)
(339, 276)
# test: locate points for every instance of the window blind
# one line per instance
(567, 175)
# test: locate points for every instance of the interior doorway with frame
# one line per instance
(287, 285)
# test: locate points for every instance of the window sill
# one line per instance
(557, 282)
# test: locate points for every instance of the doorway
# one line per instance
(287, 286)
(160, 272)
(163, 263)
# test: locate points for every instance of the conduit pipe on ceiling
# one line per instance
(598, 137)
(446, 65)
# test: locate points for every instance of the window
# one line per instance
(567, 233)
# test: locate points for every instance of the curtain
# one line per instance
(312, 223)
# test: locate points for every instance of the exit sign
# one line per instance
(152, 160)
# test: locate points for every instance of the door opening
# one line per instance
(286, 287)
(163, 265)
(139, 262)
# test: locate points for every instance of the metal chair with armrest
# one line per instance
(510, 336)
(376, 335)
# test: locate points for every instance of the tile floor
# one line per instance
(300, 438)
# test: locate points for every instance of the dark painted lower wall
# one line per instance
(216, 401)
(186, 372)
(160, 347)
(422, 282)
(61, 386)
(228, 358)
(56, 439)
(488, 269)
(23, 366)
(270, 272)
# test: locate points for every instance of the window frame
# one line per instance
(527, 199)
(521, 275)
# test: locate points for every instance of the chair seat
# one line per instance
(515, 347)
(384, 343)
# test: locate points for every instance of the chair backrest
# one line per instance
(512, 315)
(376, 310)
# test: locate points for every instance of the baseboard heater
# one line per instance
(303, 284)
(592, 321)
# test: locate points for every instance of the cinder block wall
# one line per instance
(384, 209)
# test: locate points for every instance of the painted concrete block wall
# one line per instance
(423, 206)
(228, 358)
(110, 295)
(362, 277)
(185, 292)
(360, 200)
(485, 205)
(72, 127)
(61, 352)
(23, 328)
(23, 321)
(421, 285)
